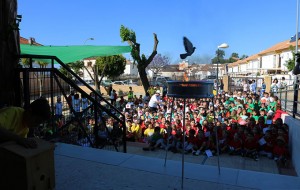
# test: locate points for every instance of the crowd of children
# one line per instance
(241, 123)
(238, 123)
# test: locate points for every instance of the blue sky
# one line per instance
(248, 26)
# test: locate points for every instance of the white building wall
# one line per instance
(253, 66)
(285, 56)
(86, 76)
(130, 69)
(268, 62)
(222, 72)
(250, 65)
(243, 67)
(172, 74)
(256, 64)
(201, 74)
(235, 69)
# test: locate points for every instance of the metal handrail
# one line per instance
(95, 100)
(70, 81)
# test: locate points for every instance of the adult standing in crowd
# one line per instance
(274, 86)
(155, 101)
(245, 86)
(113, 97)
(283, 83)
(263, 88)
(253, 86)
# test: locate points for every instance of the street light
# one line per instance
(87, 40)
(222, 46)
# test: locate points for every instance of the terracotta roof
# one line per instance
(233, 64)
(252, 57)
(90, 58)
(285, 45)
(26, 41)
(243, 61)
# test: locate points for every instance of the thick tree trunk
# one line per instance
(96, 81)
(142, 64)
(144, 79)
(9, 53)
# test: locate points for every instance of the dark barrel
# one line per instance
(190, 89)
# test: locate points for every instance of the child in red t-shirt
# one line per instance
(191, 141)
(200, 145)
(211, 144)
(177, 141)
(250, 147)
(280, 151)
(235, 145)
(167, 137)
(267, 144)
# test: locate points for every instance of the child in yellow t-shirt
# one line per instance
(15, 122)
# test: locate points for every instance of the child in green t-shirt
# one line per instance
(250, 106)
(130, 93)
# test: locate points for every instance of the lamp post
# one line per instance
(223, 46)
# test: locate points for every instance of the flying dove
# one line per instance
(189, 48)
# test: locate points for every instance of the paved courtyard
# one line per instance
(86, 168)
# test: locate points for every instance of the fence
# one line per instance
(289, 96)
(236, 83)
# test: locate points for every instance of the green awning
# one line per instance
(68, 54)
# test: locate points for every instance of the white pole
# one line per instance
(296, 56)
(217, 88)
(297, 23)
(168, 132)
(183, 147)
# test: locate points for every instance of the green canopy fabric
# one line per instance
(68, 54)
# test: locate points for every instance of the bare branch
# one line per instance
(155, 42)
(154, 52)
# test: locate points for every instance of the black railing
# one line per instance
(77, 125)
(289, 98)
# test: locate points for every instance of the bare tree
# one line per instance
(129, 36)
(158, 63)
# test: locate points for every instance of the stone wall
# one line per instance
(294, 140)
